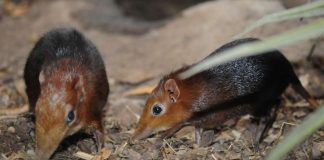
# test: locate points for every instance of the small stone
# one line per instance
(224, 136)
(234, 156)
(11, 129)
(195, 145)
(299, 114)
(271, 138)
(315, 153)
(320, 146)
(31, 152)
(206, 138)
(32, 133)
(218, 147)
(133, 154)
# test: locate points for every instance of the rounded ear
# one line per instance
(78, 86)
(171, 87)
(76, 83)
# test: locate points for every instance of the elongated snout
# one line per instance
(46, 144)
(48, 139)
(141, 133)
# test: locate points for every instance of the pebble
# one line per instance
(207, 138)
(316, 153)
(31, 152)
(317, 150)
(11, 129)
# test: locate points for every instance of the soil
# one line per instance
(121, 38)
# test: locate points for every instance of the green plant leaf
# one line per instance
(311, 124)
(302, 33)
(304, 11)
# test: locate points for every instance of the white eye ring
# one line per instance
(158, 109)
(70, 117)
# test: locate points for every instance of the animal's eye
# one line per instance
(157, 109)
(70, 117)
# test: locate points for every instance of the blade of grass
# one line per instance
(304, 32)
(304, 11)
(310, 125)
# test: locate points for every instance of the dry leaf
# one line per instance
(16, 9)
(140, 91)
(185, 132)
(236, 134)
(21, 155)
(84, 155)
(104, 154)
(20, 87)
(14, 111)
(225, 136)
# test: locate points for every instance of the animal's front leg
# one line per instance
(99, 137)
(265, 122)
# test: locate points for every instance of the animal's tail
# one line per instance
(298, 87)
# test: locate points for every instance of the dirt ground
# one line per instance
(138, 46)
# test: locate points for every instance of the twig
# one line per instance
(135, 114)
(4, 156)
(309, 56)
(305, 153)
(281, 128)
(285, 123)
(212, 155)
(8, 117)
(217, 157)
(166, 142)
(246, 146)
(251, 139)
(121, 148)
(229, 147)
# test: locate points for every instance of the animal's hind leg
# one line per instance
(265, 120)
